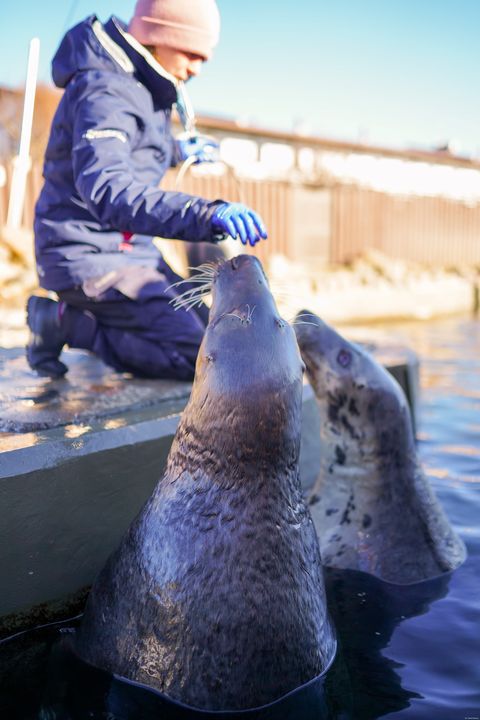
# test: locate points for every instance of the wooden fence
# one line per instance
(433, 230)
(330, 224)
(271, 199)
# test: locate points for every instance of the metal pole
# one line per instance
(21, 163)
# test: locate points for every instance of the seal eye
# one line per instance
(344, 358)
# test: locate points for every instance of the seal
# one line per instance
(372, 505)
(215, 596)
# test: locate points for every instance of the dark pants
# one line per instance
(127, 320)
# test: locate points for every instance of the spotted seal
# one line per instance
(215, 596)
(372, 505)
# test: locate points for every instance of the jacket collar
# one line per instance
(120, 44)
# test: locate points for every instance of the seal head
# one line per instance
(372, 505)
(215, 596)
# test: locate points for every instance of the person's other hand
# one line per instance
(238, 220)
(202, 147)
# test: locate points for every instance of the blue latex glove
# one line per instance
(203, 147)
(238, 220)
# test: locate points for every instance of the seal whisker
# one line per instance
(189, 299)
(205, 272)
(234, 315)
(204, 284)
(186, 301)
(245, 320)
(188, 304)
(201, 282)
(297, 321)
(207, 268)
(196, 279)
(187, 308)
(302, 322)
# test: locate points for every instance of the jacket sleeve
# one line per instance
(104, 127)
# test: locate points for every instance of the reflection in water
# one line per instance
(74, 431)
(366, 612)
(14, 441)
(41, 679)
(440, 652)
(461, 450)
(87, 692)
(46, 396)
(115, 423)
(40, 671)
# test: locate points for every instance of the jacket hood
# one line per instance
(92, 46)
(81, 50)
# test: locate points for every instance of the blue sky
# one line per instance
(396, 72)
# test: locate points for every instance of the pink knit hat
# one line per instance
(190, 25)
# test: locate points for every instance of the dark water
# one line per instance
(438, 654)
(406, 653)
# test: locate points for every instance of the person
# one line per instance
(100, 207)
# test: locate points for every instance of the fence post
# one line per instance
(22, 162)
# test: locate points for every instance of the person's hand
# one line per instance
(202, 147)
(238, 220)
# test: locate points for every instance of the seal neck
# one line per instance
(240, 437)
(366, 453)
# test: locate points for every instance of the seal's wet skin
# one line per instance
(372, 505)
(215, 596)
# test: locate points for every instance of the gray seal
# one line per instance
(215, 596)
(372, 505)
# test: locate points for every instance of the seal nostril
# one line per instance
(234, 263)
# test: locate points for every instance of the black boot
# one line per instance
(46, 337)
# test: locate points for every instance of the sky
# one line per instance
(400, 73)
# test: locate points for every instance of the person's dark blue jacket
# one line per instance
(109, 147)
